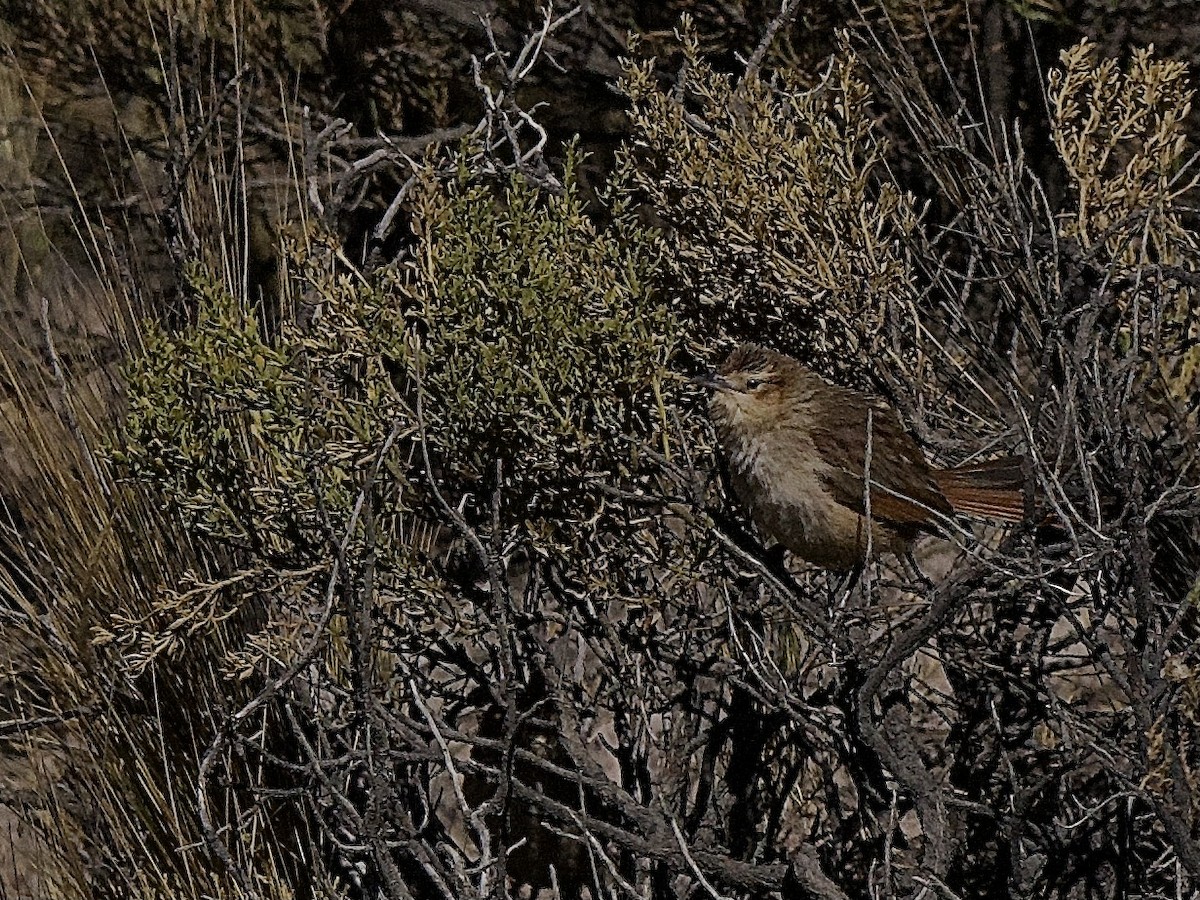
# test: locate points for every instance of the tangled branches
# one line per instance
(547, 652)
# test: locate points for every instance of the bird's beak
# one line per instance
(712, 381)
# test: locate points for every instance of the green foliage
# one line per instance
(536, 334)
(531, 337)
(246, 436)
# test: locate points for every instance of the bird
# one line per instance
(798, 448)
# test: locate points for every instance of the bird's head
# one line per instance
(753, 387)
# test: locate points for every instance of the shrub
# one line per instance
(779, 221)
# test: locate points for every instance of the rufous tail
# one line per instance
(989, 490)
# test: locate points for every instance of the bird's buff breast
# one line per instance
(778, 477)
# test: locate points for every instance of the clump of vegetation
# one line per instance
(520, 341)
(779, 219)
(534, 338)
(1122, 139)
(540, 337)
(219, 421)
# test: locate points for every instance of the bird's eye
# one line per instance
(753, 384)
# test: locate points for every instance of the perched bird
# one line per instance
(798, 451)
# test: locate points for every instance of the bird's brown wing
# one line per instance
(904, 491)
